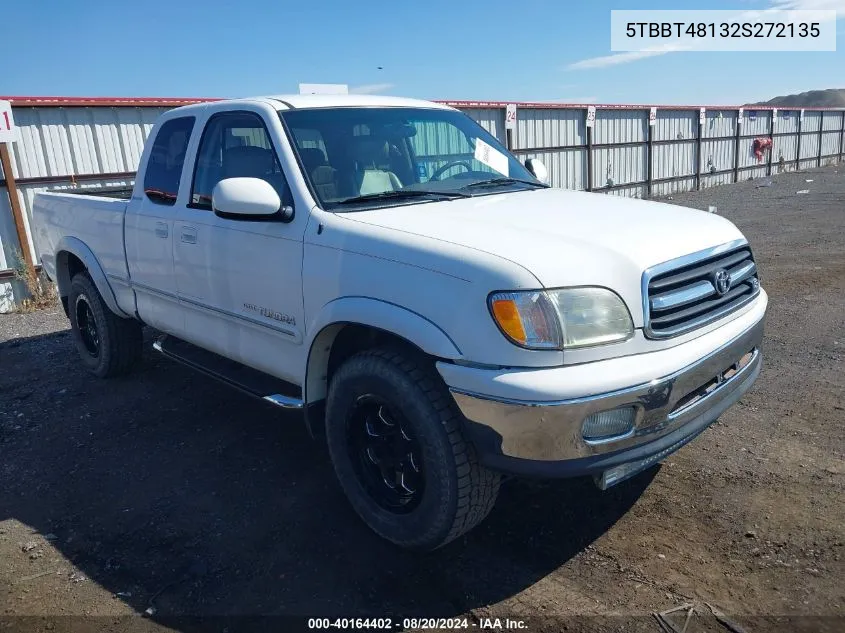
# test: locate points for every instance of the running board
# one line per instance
(251, 381)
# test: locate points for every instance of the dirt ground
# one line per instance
(167, 492)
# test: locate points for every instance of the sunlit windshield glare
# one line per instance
(350, 153)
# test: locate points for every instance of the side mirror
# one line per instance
(536, 167)
(248, 199)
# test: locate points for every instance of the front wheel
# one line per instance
(395, 439)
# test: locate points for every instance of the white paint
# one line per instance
(490, 156)
(8, 132)
(245, 196)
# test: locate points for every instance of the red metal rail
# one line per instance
(152, 102)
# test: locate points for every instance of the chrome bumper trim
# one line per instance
(551, 431)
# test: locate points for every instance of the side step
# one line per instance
(251, 381)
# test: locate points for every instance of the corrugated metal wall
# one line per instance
(89, 140)
(56, 142)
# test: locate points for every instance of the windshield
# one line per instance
(358, 158)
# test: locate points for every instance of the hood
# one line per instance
(565, 238)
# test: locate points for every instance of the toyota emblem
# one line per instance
(721, 281)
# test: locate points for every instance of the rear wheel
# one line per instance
(108, 345)
(395, 439)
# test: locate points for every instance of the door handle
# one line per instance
(188, 235)
(161, 230)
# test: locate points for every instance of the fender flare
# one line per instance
(373, 313)
(77, 247)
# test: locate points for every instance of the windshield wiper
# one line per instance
(495, 182)
(403, 193)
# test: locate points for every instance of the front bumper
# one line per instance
(544, 438)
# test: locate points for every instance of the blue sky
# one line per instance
(531, 50)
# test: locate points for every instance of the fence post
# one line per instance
(772, 137)
(798, 148)
(589, 151)
(841, 135)
(15, 203)
(737, 130)
(508, 133)
(649, 154)
(821, 132)
(698, 153)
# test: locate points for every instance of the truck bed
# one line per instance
(94, 220)
(118, 193)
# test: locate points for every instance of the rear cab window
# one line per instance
(167, 158)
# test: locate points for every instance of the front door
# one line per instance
(149, 229)
(239, 281)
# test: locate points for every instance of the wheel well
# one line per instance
(74, 265)
(338, 342)
(67, 265)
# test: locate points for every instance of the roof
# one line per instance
(295, 100)
(352, 100)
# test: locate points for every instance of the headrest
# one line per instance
(247, 161)
(312, 157)
(371, 152)
(323, 175)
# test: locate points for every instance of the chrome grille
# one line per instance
(692, 291)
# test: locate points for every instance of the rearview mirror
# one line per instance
(536, 167)
(248, 199)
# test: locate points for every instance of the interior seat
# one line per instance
(372, 159)
(323, 175)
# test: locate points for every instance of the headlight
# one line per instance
(591, 316)
(527, 319)
(562, 319)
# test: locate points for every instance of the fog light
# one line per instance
(605, 425)
(615, 475)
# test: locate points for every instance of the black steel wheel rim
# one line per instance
(87, 326)
(385, 455)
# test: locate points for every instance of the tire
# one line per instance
(108, 344)
(452, 492)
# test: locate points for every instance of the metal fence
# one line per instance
(639, 151)
(651, 151)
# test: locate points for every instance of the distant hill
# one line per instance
(830, 98)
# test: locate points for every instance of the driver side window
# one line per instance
(233, 145)
(439, 143)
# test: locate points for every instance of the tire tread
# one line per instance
(477, 487)
(125, 336)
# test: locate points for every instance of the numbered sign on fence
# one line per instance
(510, 116)
(739, 116)
(591, 116)
(702, 115)
(8, 134)
(652, 116)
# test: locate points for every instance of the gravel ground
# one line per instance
(165, 491)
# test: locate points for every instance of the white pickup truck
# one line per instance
(440, 314)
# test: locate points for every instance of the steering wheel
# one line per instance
(455, 163)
